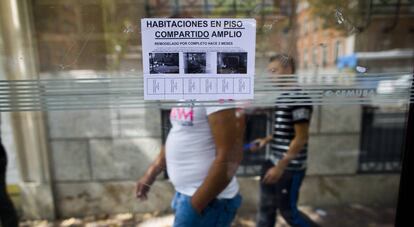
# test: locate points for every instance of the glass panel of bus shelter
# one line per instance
(78, 133)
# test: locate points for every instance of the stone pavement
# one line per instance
(345, 216)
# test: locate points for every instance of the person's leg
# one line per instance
(185, 215)
(8, 216)
(289, 194)
(266, 216)
(227, 211)
(218, 213)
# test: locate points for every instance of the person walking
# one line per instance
(282, 174)
(202, 153)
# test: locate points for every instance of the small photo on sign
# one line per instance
(164, 63)
(195, 63)
(231, 63)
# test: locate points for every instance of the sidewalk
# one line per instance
(345, 216)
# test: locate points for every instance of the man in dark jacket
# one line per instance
(8, 216)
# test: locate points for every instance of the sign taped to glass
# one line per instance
(203, 59)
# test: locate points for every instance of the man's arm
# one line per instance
(144, 184)
(258, 144)
(295, 146)
(227, 128)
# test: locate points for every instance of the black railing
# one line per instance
(257, 126)
(382, 140)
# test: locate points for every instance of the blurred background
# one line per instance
(83, 160)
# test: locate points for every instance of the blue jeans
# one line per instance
(282, 196)
(218, 213)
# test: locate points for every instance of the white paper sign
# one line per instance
(202, 59)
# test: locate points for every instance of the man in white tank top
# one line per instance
(202, 153)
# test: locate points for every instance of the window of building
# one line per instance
(315, 56)
(337, 50)
(315, 24)
(305, 58)
(304, 26)
(324, 55)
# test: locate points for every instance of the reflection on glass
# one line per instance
(353, 59)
